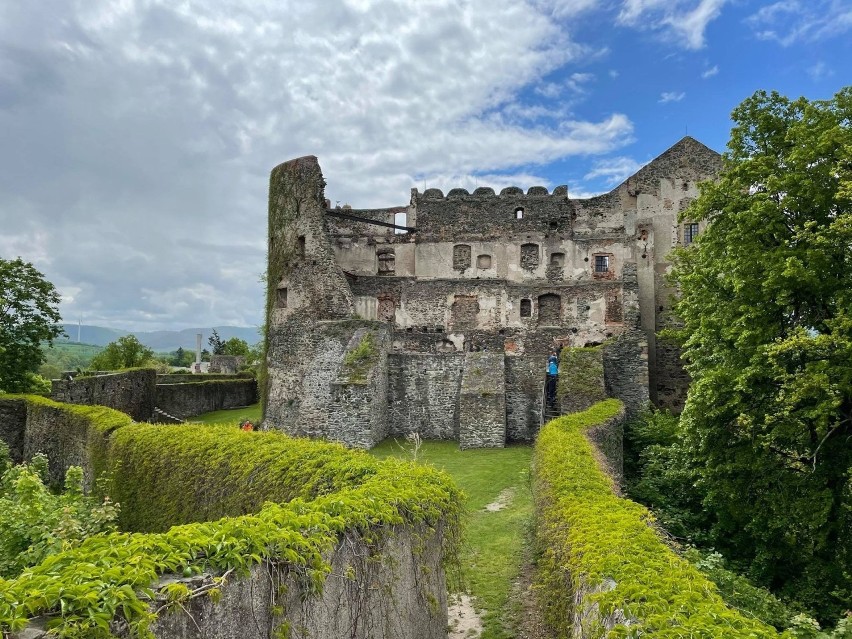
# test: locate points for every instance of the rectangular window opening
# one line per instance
(601, 263)
(690, 232)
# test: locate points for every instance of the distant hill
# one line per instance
(159, 341)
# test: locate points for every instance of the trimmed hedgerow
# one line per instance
(600, 550)
(193, 472)
(175, 474)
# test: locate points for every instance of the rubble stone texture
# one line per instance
(513, 275)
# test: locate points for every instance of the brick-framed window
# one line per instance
(690, 232)
(601, 263)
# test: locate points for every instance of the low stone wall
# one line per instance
(226, 364)
(602, 569)
(31, 425)
(360, 554)
(524, 386)
(189, 400)
(132, 391)
(482, 401)
(423, 392)
(13, 423)
(195, 378)
(352, 604)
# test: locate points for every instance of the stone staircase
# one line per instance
(162, 417)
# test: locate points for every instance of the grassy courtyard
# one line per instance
(232, 415)
(499, 509)
(494, 537)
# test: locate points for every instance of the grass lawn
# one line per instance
(493, 541)
(232, 415)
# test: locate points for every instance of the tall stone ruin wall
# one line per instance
(515, 274)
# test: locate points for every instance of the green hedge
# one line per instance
(176, 474)
(169, 474)
(593, 540)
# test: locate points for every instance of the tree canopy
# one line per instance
(125, 352)
(29, 315)
(766, 311)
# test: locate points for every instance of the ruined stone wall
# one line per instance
(358, 403)
(400, 595)
(13, 423)
(515, 273)
(226, 364)
(423, 392)
(316, 396)
(482, 401)
(188, 400)
(524, 386)
(132, 392)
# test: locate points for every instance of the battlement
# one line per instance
(486, 192)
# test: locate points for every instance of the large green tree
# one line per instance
(29, 315)
(125, 352)
(766, 306)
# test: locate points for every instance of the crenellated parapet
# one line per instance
(488, 192)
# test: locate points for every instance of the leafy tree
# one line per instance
(28, 316)
(236, 346)
(35, 522)
(205, 355)
(125, 352)
(182, 357)
(216, 343)
(766, 306)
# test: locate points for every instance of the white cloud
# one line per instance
(613, 170)
(790, 21)
(682, 22)
(819, 71)
(671, 96)
(709, 73)
(138, 134)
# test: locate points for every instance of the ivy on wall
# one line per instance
(599, 550)
(168, 475)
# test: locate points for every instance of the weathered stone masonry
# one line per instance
(483, 279)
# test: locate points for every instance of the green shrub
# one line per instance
(190, 473)
(604, 549)
(36, 523)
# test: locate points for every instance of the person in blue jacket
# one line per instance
(552, 373)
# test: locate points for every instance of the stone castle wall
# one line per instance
(513, 275)
(133, 392)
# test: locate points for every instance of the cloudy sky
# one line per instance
(136, 136)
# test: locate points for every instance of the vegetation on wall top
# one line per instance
(603, 549)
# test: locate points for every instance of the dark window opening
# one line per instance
(549, 309)
(461, 257)
(301, 248)
(526, 308)
(519, 213)
(281, 298)
(601, 263)
(690, 232)
(387, 261)
(557, 259)
(529, 256)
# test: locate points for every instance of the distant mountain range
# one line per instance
(159, 341)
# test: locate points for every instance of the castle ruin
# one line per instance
(442, 324)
